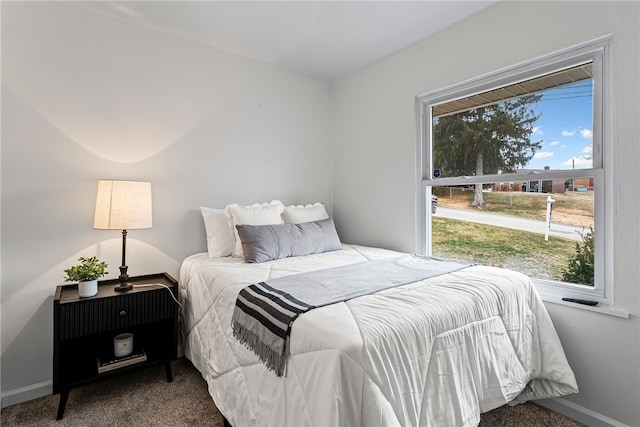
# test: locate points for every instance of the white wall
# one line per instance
(374, 142)
(84, 98)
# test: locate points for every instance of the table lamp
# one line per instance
(123, 205)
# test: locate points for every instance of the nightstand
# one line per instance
(84, 330)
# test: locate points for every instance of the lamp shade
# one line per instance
(122, 205)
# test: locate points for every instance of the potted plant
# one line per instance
(86, 274)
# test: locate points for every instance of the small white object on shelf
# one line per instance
(123, 344)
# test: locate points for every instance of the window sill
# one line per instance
(600, 308)
(553, 292)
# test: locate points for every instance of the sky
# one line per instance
(565, 128)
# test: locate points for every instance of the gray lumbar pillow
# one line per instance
(262, 243)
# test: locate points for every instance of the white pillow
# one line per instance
(220, 237)
(307, 213)
(257, 214)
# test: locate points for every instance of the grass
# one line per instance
(573, 208)
(521, 251)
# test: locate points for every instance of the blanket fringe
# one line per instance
(272, 359)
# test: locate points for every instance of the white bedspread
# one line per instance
(434, 353)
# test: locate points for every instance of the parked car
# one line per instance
(434, 203)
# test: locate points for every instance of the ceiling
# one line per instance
(325, 39)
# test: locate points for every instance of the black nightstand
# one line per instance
(84, 329)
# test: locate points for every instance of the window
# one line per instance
(517, 162)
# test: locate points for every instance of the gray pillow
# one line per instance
(262, 243)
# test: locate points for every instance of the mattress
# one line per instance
(437, 352)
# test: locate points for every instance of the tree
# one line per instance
(486, 140)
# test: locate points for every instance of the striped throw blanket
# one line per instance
(265, 311)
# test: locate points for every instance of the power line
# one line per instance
(558, 98)
(577, 92)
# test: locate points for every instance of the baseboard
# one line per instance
(579, 413)
(24, 394)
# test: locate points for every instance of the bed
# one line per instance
(434, 352)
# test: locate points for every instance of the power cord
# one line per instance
(149, 285)
(164, 286)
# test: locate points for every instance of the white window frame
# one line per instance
(595, 51)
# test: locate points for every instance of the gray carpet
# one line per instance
(144, 398)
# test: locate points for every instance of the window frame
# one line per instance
(595, 51)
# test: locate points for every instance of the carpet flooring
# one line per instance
(144, 398)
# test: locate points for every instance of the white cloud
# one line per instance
(537, 130)
(588, 149)
(554, 143)
(543, 154)
(587, 134)
(568, 132)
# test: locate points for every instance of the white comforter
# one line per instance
(434, 353)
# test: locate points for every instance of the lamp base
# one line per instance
(122, 287)
(124, 277)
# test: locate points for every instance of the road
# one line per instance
(516, 223)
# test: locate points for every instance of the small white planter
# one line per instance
(88, 288)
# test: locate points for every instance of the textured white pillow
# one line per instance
(257, 214)
(307, 213)
(220, 239)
